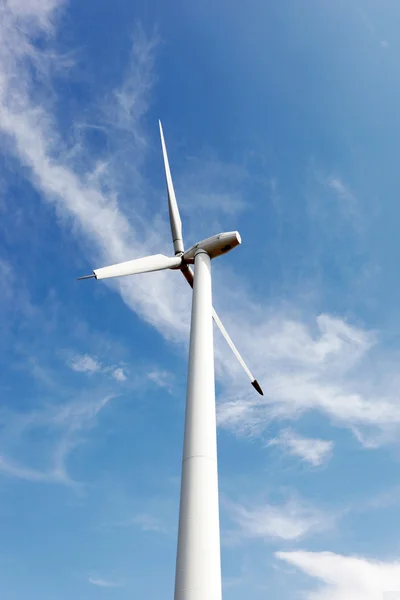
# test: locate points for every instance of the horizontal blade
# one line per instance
(174, 217)
(189, 276)
(157, 262)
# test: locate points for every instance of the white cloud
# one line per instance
(290, 521)
(161, 378)
(34, 12)
(302, 365)
(119, 374)
(85, 364)
(348, 202)
(148, 522)
(104, 583)
(346, 577)
(342, 190)
(340, 198)
(313, 451)
(79, 197)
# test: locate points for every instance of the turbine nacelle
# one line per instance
(214, 245)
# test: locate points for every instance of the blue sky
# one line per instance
(281, 121)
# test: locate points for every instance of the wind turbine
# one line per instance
(198, 563)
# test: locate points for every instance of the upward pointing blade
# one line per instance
(174, 217)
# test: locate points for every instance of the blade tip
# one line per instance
(85, 277)
(257, 387)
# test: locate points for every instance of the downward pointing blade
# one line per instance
(189, 276)
(235, 351)
(156, 262)
(174, 217)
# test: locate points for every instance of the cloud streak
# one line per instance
(310, 450)
(56, 475)
(104, 583)
(77, 194)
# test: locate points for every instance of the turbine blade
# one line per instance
(174, 217)
(189, 276)
(157, 262)
(235, 351)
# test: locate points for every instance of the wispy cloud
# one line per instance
(85, 364)
(313, 451)
(304, 365)
(289, 521)
(78, 197)
(148, 522)
(323, 368)
(104, 583)
(62, 428)
(209, 185)
(6, 278)
(55, 475)
(161, 378)
(133, 96)
(346, 577)
(342, 190)
(119, 374)
(371, 27)
(333, 203)
(348, 202)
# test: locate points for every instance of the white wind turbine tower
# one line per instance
(198, 563)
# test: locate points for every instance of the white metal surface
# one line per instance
(198, 565)
(189, 276)
(174, 217)
(156, 262)
(215, 245)
(231, 345)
